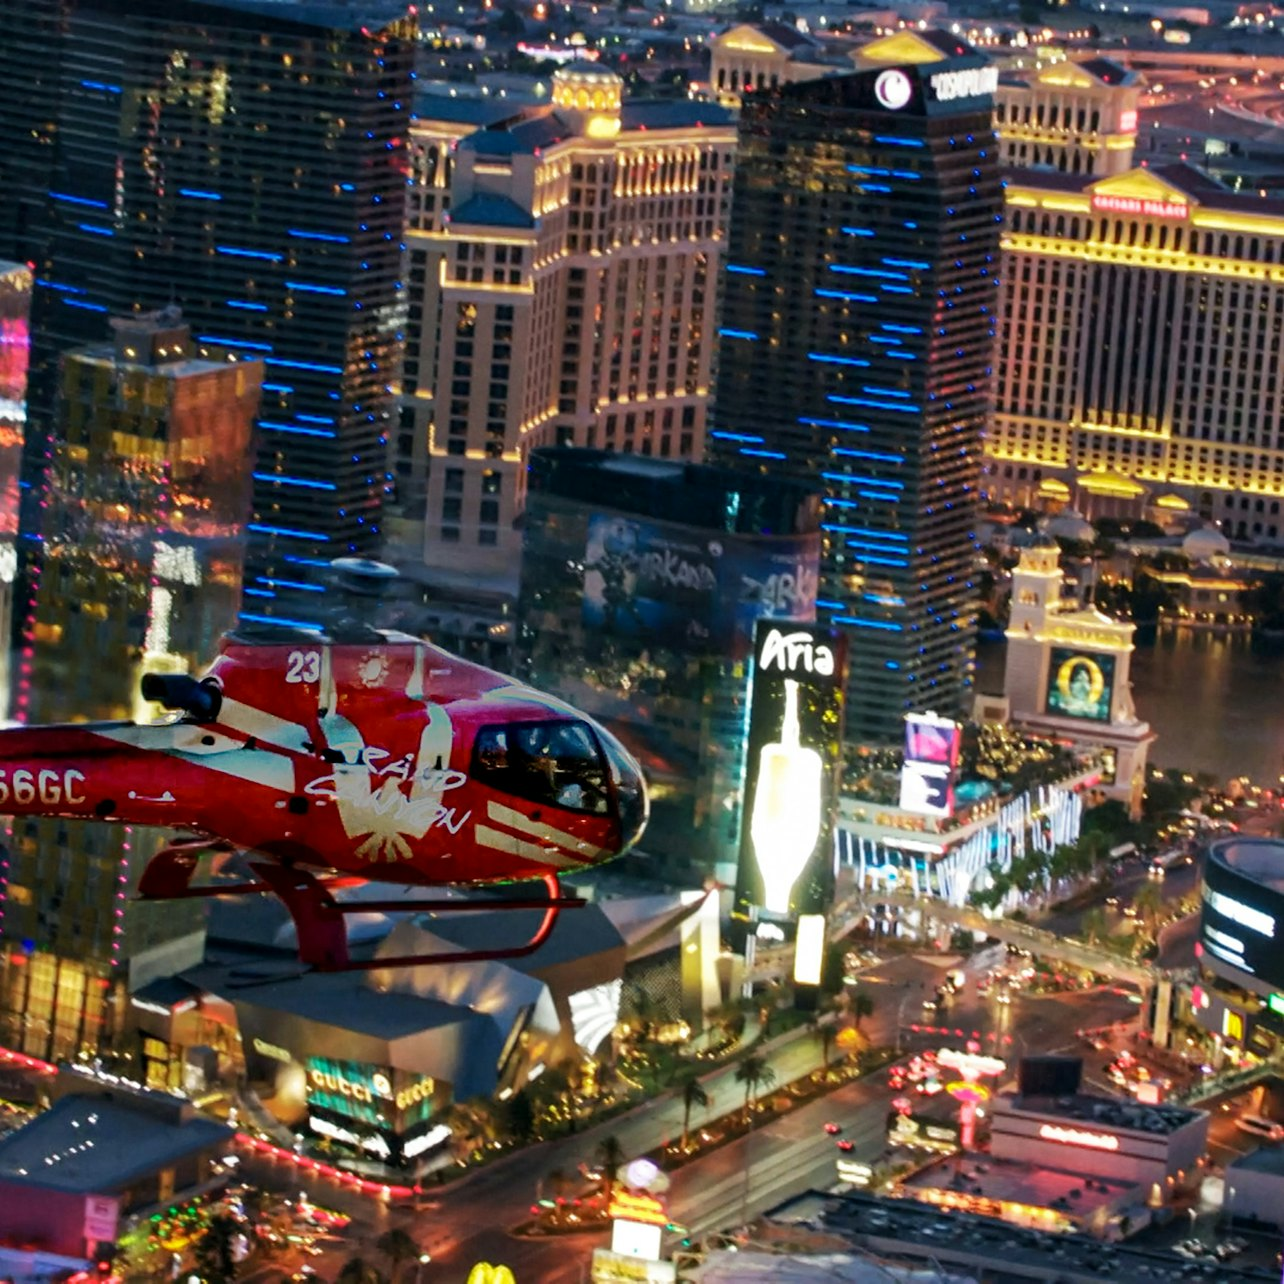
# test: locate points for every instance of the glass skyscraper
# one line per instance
(641, 582)
(858, 323)
(245, 160)
(137, 569)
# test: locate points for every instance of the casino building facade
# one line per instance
(1240, 996)
(1141, 317)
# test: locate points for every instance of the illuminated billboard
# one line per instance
(372, 1110)
(1241, 919)
(1081, 684)
(931, 755)
(681, 586)
(922, 1131)
(791, 763)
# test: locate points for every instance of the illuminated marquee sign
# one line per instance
(377, 1086)
(971, 82)
(1139, 205)
(791, 760)
(1128, 122)
(1078, 1137)
(1245, 915)
(266, 1049)
(634, 1207)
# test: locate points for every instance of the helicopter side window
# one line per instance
(558, 763)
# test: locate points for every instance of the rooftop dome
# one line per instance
(1069, 524)
(1204, 544)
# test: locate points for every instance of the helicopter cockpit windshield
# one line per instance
(557, 763)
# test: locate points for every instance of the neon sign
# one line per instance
(1128, 122)
(1139, 205)
(1078, 1137)
(970, 82)
(634, 1207)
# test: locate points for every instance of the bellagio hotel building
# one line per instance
(1142, 312)
(563, 271)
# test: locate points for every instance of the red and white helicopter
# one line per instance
(339, 758)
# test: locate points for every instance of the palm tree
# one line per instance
(693, 1094)
(862, 1007)
(754, 1072)
(827, 1033)
(397, 1246)
(1095, 925)
(356, 1270)
(213, 1253)
(611, 1154)
(1148, 902)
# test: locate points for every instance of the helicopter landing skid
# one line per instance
(318, 917)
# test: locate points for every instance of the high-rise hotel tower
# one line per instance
(245, 160)
(857, 339)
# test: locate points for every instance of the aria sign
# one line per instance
(791, 652)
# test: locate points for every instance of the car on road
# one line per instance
(1257, 1126)
(833, 1128)
(844, 1145)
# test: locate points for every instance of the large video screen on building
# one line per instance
(1242, 920)
(1081, 683)
(680, 586)
(931, 755)
(791, 769)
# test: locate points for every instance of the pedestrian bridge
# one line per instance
(777, 961)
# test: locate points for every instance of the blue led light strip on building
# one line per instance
(916, 264)
(294, 430)
(900, 329)
(287, 532)
(67, 199)
(303, 365)
(303, 288)
(100, 85)
(888, 537)
(844, 270)
(96, 231)
(267, 256)
(282, 480)
(83, 306)
(837, 361)
(876, 455)
(233, 343)
(766, 454)
(292, 584)
(869, 624)
(858, 231)
(243, 306)
(845, 297)
(876, 405)
(276, 619)
(844, 424)
(304, 561)
(856, 479)
(745, 271)
(891, 140)
(735, 436)
(738, 334)
(318, 236)
(196, 195)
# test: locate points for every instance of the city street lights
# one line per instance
(424, 1259)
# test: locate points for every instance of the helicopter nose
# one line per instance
(632, 803)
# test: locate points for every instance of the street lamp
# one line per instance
(424, 1259)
